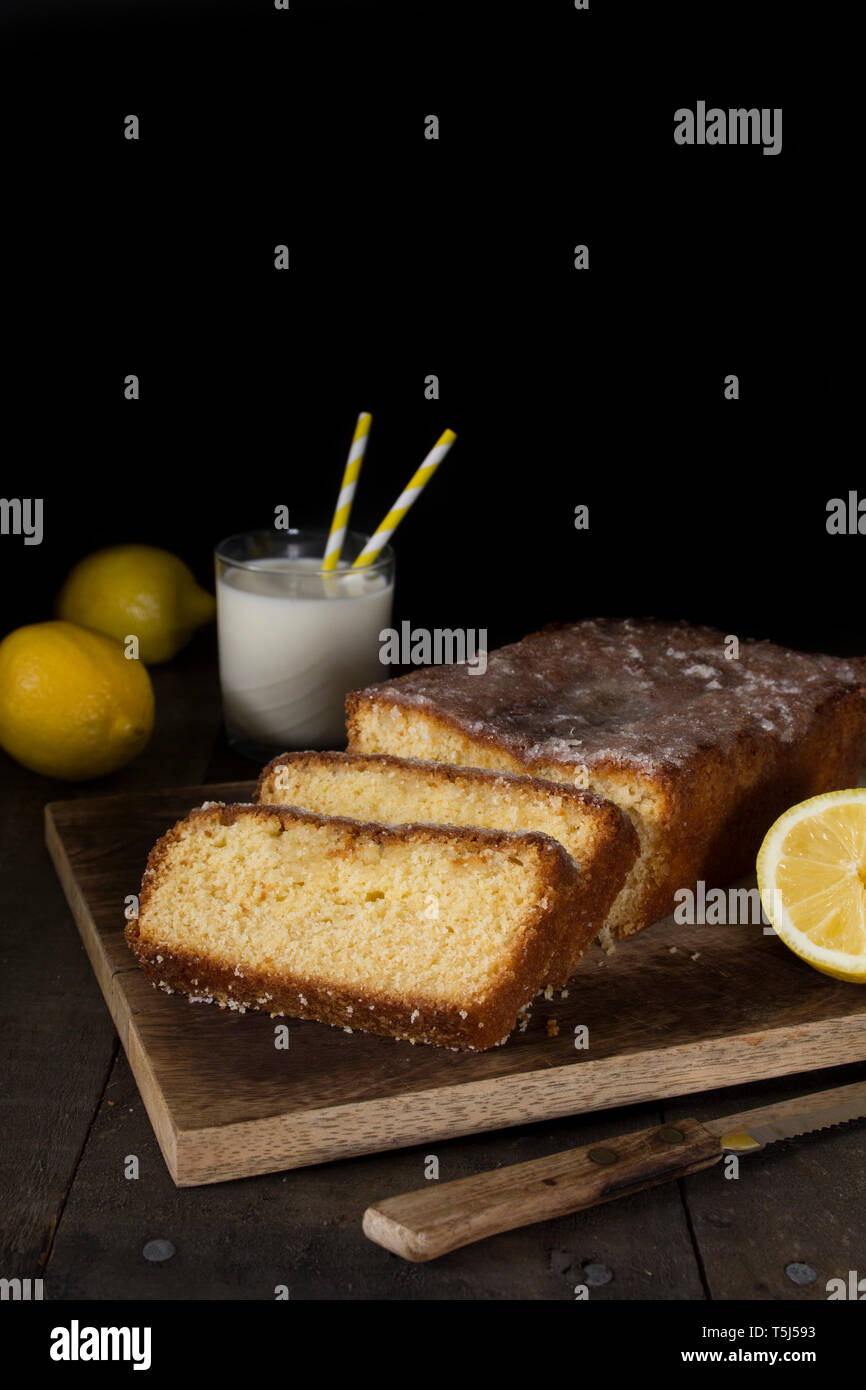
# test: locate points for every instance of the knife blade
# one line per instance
(753, 1129)
(427, 1223)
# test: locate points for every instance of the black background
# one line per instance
(411, 257)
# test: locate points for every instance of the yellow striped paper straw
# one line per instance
(347, 491)
(386, 528)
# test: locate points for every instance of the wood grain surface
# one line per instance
(440, 1217)
(676, 1010)
(59, 1046)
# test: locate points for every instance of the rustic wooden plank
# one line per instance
(57, 1039)
(800, 1201)
(239, 1240)
(662, 1015)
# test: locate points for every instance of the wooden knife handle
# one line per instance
(425, 1224)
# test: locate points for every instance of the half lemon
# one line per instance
(812, 879)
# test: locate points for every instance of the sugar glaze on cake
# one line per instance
(703, 752)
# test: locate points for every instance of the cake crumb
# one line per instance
(552, 1028)
(250, 856)
(696, 956)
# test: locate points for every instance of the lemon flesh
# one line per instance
(812, 878)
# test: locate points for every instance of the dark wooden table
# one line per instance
(72, 1116)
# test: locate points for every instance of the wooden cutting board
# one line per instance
(674, 1010)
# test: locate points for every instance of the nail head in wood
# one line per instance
(603, 1156)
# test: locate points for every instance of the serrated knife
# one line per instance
(425, 1224)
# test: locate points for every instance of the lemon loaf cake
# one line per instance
(435, 934)
(704, 740)
(377, 787)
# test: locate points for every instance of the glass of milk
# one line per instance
(294, 639)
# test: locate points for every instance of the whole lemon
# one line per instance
(137, 590)
(71, 704)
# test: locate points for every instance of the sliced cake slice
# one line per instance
(435, 934)
(376, 787)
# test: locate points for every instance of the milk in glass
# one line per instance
(292, 642)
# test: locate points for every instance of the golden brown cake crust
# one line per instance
(642, 696)
(417, 1019)
(602, 874)
(450, 772)
(720, 747)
